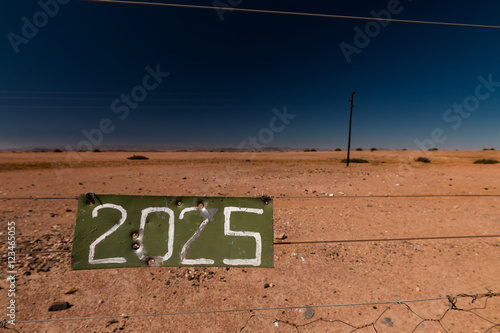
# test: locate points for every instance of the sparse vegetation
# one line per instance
(432, 149)
(359, 149)
(307, 150)
(486, 161)
(492, 148)
(354, 160)
(423, 159)
(373, 149)
(95, 150)
(404, 149)
(338, 149)
(57, 150)
(137, 157)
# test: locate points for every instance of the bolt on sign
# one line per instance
(116, 231)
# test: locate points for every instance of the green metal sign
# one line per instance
(115, 231)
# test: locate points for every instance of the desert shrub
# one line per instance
(359, 149)
(354, 160)
(432, 149)
(95, 150)
(492, 148)
(137, 157)
(404, 149)
(314, 149)
(373, 149)
(57, 150)
(338, 149)
(486, 161)
(423, 159)
(485, 149)
(307, 150)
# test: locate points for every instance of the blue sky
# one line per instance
(226, 76)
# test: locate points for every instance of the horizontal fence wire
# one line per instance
(384, 239)
(340, 241)
(305, 196)
(451, 306)
(232, 310)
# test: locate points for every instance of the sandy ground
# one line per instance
(305, 274)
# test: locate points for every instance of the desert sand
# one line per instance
(339, 222)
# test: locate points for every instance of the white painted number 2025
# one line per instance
(200, 261)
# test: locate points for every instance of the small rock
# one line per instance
(417, 289)
(266, 285)
(330, 195)
(71, 291)
(309, 312)
(387, 322)
(111, 322)
(59, 306)
(281, 236)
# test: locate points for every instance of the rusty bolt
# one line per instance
(201, 205)
(151, 262)
(266, 202)
(135, 246)
(135, 235)
(179, 203)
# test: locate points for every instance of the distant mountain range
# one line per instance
(119, 148)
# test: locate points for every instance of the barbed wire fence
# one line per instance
(489, 323)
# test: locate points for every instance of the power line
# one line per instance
(58, 92)
(300, 14)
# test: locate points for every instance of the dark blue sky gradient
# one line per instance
(226, 77)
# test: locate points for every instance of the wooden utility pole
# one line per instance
(350, 122)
